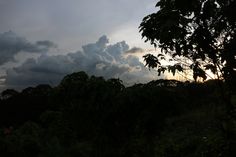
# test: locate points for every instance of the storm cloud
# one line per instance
(11, 44)
(99, 58)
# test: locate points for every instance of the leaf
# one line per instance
(160, 70)
(151, 61)
(160, 55)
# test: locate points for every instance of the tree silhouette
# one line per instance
(199, 35)
(201, 31)
(8, 93)
(91, 116)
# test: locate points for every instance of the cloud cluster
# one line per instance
(99, 58)
(11, 44)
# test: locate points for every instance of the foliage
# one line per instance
(203, 32)
(90, 116)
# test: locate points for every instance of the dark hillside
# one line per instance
(90, 116)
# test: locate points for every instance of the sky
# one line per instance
(41, 41)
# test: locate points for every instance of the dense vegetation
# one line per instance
(92, 117)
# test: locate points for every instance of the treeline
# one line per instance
(92, 117)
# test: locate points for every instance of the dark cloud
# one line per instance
(71, 23)
(100, 59)
(135, 50)
(11, 44)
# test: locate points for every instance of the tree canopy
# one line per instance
(89, 116)
(201, 31)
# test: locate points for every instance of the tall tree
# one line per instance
(203, 32)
